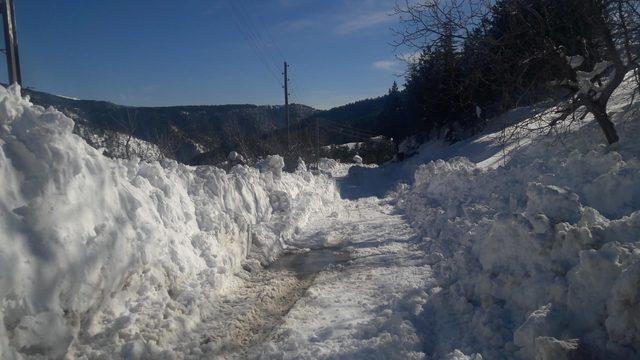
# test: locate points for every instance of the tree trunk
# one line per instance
(609, 130)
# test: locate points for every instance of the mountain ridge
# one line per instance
(205, 134)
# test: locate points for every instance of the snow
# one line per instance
(528, 248)
(360, 306)
(348, 146)
(272, 164)
(575, 61)
(540, 250)
(93, 249)
(586, 80)
(235, 156)
(67, 97)
(332, 167)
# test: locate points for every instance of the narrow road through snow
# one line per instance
(370, 278)
(349, 291)
(349, 287)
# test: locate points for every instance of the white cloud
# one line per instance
(388, 65)
(397, 64)
(411, 57)
(350, 17)
(364, 21)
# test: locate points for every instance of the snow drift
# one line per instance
(539, 258)
(86, 242)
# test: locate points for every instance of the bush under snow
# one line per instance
(88, 242)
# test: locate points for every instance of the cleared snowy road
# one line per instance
(360, 308)
(349, 290)
(349, 285)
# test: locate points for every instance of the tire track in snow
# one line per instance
(250, 313)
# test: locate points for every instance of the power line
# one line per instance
(259, 44)
(270, 42)
(262, 45)
(292, 91)
(270, 36)
(256, 34)
(256, 48)
(252, 40)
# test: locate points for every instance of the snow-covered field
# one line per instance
(529, 251)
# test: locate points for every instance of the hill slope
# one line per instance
(191, 129)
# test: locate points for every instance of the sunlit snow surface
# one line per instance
(103, 257)
(360, 308)
(541, 255)
(502, 250)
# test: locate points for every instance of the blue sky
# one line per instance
(169, 52)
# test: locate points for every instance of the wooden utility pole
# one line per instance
(317, 141)
(11, 41)
(286, 103)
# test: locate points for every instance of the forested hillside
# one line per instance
(184, 131)
(206, 134)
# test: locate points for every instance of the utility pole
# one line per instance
(286, 104)
(317, 142)
(11, 41)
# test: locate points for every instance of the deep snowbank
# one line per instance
(539, 252)
(87, 241)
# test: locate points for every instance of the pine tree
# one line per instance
(392, 119)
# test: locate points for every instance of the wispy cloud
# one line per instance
(350, 17)
(388, 65)
(364, 21)
(398, 63)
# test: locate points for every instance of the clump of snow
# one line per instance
(327, 165)
(357, 159)
(540, 257)
(87, 243)
(575, 61)
(348, 146)
(410, 145)
(459, 355)
(235, 156)
(273, 164)
(586, 80)
(301, 166)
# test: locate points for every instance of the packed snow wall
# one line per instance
(539, 258)
(83, 237)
